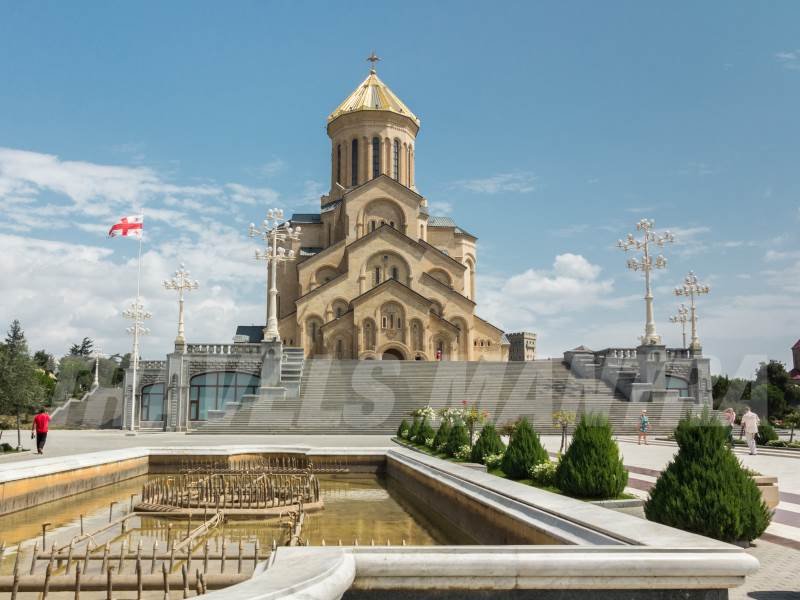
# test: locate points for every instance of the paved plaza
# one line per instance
(778, 550)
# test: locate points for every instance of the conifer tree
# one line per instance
(441, 435)
(524, 450)
(424, 433)
(592, 466)
(488, 442)
(402, 430)
(457, 438)
(704, 489)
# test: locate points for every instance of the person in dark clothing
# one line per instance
(39, 429)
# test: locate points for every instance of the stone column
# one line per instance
(370, 158)
(403, 161)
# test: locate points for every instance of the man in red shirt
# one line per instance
(39, 428)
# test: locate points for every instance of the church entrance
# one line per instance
(393, 354)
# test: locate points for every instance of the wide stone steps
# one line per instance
(363, 397)
(102, 409)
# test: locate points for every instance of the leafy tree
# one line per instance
(769, 399)
(563, 418)
(20, 386)
(792, 419)
(84, 348)
(119, 372)
(704, 489)
(488, 442)
(457, 438)
(524, 450)
(44, 361)
(592, 466)
(792, 395)
(720, 384)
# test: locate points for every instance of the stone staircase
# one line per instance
(372, 397)
(99, 409)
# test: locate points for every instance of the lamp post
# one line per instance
(136, 313)
(274, 231)
(646, 264)
(692, 287)
(180, 282)
(682, 317)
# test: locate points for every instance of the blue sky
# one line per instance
(548, 130)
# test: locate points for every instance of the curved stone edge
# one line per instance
(327, 573)
(297, 573)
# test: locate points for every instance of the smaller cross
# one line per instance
(373, 58)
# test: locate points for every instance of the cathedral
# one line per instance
(377, 276)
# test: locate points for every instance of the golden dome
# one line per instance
(373, 94)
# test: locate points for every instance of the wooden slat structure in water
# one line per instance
(274, 464)
(249, 490)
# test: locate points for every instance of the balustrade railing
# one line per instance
(152, 364)
(237, 348)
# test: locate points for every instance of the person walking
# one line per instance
(39, 429)
(730, 420)
(750, 422)
(644, 426)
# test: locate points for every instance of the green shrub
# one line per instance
(592, 467)
(793, 445)
(488, 442)
(424, 433)
(777, 443)
(766, 433)
(544, 473)
(493, 461)
(458, 437)
(402, 431)
(414, 429)
(5, 447)
(440, 441)
(524, 450)
(463, 453)
(704, 489)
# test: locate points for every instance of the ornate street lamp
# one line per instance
(692, 287)
(682, 317)
(646, 264)
(274, 231)
(136, 313)
(180, 282)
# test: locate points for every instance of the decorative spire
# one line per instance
(373, 59)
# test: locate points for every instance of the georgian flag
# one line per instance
(128, 226)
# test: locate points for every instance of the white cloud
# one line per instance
(525, 300)
(520, 182)
(777, 255)
(789, 59)
(440, 207)
(273, 167)
(251, 195)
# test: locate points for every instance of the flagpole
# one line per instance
(136, 326)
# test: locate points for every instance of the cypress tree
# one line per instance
(704, 489)
(456, 438)
(402, 431)
(424, 433)
(524, 450)
(488, 442)
(441, 435)
(414, 429)
(592, 466)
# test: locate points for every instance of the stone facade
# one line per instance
(377, 276)
(522, 345)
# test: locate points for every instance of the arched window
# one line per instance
(339, 348)
(152, 403)
(377, 275)
(211, 391)
(354, 163)
(391, 316)
(416, 334)
(339, 163)
(396, 160)
(395, 273)
(376, 157)
(369, 335)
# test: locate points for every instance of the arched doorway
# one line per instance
(393, 354)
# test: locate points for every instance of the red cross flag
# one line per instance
(128, 226)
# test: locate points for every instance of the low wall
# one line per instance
(19, 493)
